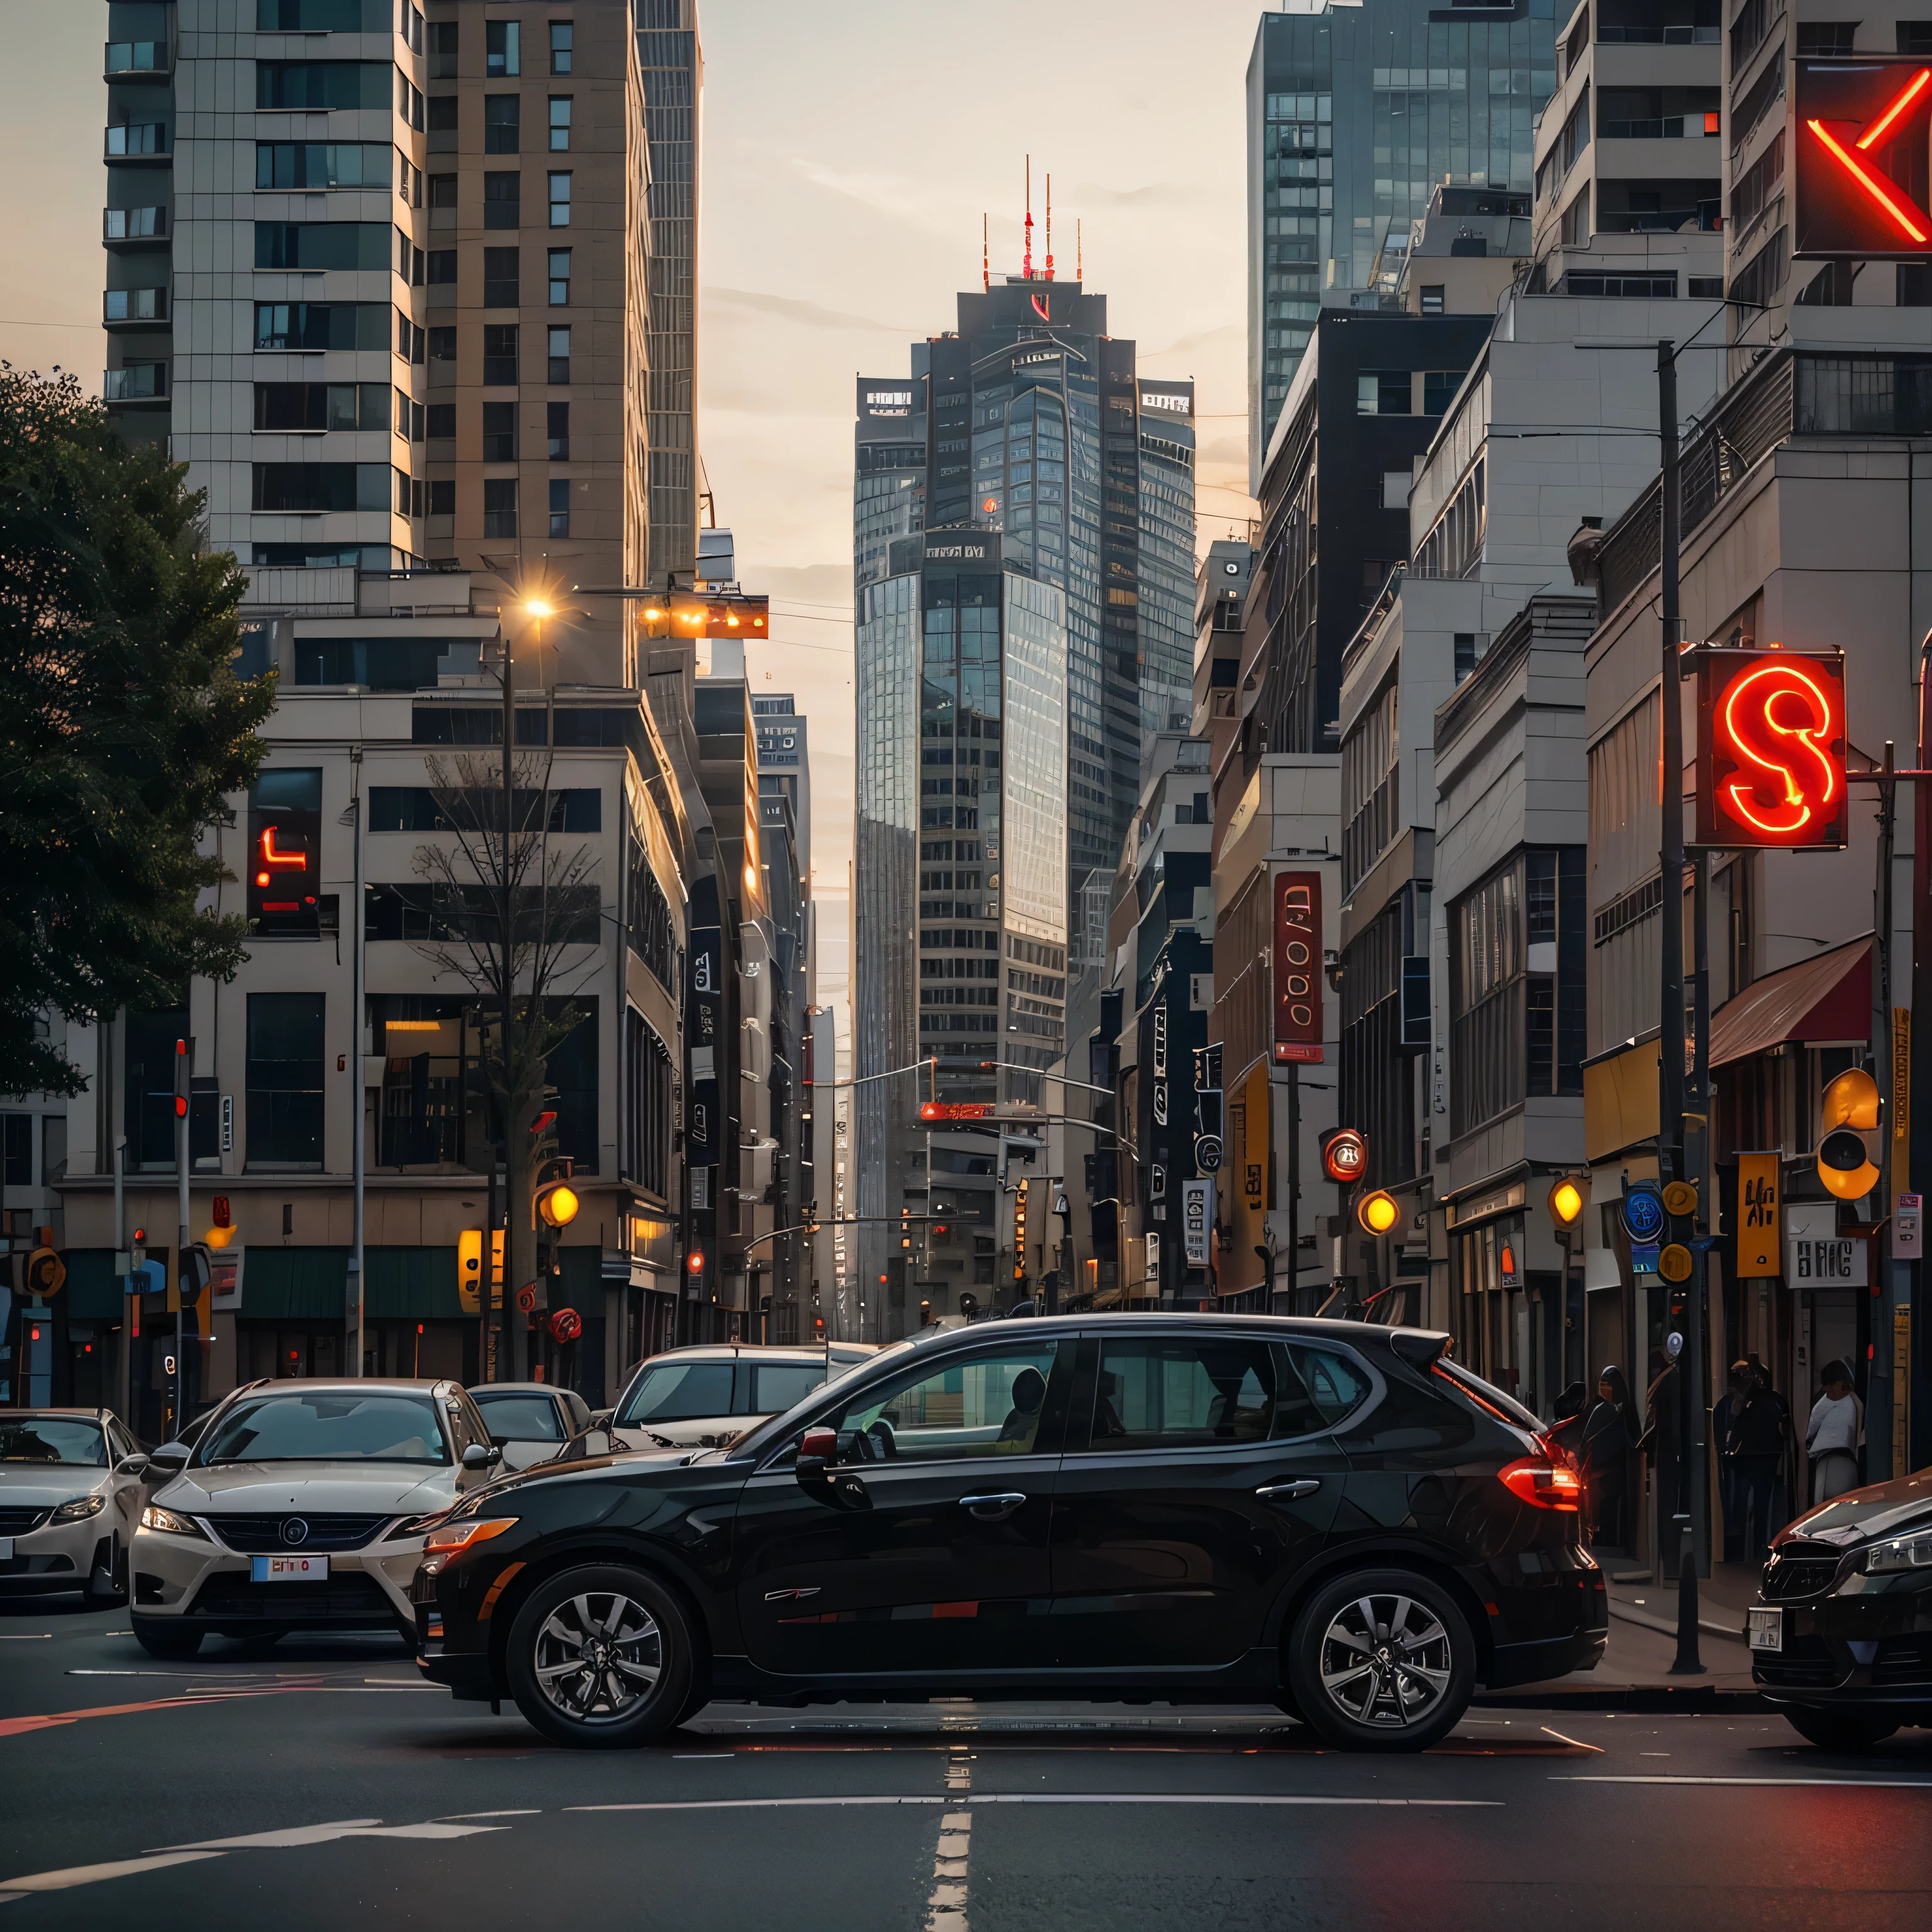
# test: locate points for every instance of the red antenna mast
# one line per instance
(1079, 254)
(1049, 228)
(1026, 266)
(985, 257)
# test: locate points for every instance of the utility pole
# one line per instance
(183, 1088)
(357, 1097)
(507, 1372)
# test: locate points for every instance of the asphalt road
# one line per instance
(294, 1786)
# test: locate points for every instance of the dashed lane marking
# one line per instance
(296, 1835)
(76, 1875)
(459, 1815)
(1058, 1798)
(1832, 1784)
(946, 1904)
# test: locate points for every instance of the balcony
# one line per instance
(135, 308)
(140, 141)
(133, 227)
(138, 382)
(1704, 219)
(125, 59)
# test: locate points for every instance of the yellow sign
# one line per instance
(1901, 1076)
(1759, 1181)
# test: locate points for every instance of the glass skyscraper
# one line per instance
(1354, 113)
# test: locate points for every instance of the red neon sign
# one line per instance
(1861, 167)
(1297, 967)
(1771, 764)
(271, 856)
(1345, 1158)
(953, 1110)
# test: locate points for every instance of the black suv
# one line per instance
(1841, 1637)
(1324, 1515)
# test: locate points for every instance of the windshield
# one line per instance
(756, 1442)
(47, 1439)
(390, 1427)
(1499, 1400)
(520, 1418)
(678, 1391)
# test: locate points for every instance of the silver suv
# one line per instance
(697, 1398)
(72, 1483)
(301, 1506)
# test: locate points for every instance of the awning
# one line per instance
(1828, 997)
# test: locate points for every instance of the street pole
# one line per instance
(504, 1333)
(1693, 1373)
(127, 1282)
(1293, 1196)
(358, 1098)
(1885, 1060)
(184, 1106)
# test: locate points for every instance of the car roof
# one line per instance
(518, 1388)
(85, 1415)
(1106, 1321)
(351, 1385)
(776, 1351)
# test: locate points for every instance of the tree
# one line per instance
(122, 723)
(516, 919)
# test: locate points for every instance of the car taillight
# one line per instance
(1558, 1454)
(1548, 1485)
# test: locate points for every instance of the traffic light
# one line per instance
(1378, 1212)
(469, 1270)
(1345, 1156)
(554, 1199)
(184, 1064)
(1566, 1203)
(1847, 1125)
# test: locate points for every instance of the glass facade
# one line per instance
(1353, 115)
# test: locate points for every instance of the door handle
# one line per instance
(993, 1508)
(1302, 1485)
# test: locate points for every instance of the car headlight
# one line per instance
(80, 1509)
(154, 1517)
(1902, 1552)
(453, 1538)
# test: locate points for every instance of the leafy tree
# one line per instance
(121, 725)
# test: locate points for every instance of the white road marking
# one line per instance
(74, 1875)
(26, 1637)
(753, 1804)
(537, 1814)
(946, 1904)
(1577, 1741)
(1835, 1783)
(323, 1834)
(1054, 1798)
(702, 1757)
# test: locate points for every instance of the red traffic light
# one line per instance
(694, 1261)
(222, 1217)
(181, 1106)
(954, 1110)
(1345, 1158)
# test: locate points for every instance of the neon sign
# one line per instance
(1771, 751)
(1297, 967)
(1861, 163)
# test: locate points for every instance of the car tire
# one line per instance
(164, 1638)
(602, 1657)
(1419, 1661)
(1840, 1730)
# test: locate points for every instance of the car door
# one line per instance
(1199, 1475)
(128, 1495)
(927, 1554)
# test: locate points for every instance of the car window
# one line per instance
(778, 1386)
(1166, 1392)
(521, 1418)
(1335, 1384)
(51, 1438)
(675, 1391)
(988, 1404)
(319, 1427)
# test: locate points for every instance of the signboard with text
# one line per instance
(1297, 967)
(1860, 162)
(1770, 749)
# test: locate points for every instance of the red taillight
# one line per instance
(1557, 1454)
(1548, 1485)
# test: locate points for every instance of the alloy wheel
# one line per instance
(597, 1656)
(1386, 1661)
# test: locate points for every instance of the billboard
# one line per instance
(1297, 967)
(1770, 749)
(1170, 402)
(1861, 159)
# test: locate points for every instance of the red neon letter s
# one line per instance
(1780, 719)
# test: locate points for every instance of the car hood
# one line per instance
(1859, 1516)
(351, 1487)
(38, 1485)
(586, 1456)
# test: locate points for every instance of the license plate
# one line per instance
(288, 1569)
(1767, 1629)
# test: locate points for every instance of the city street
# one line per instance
(314, 1780)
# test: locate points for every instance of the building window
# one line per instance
(559, 47)
(443, 497)
(500, 277)
(1439, 390)
(441, 420)
(499, 506)
(559, 277)
(557, 425)
(442, 201)
(502, 55)
(499, 355)
(18, 1156)
(1382, 392)
(442, 267)
(499, 432)
(148, 1083)
(1433, 297)
(560, 355)
(502, 123)
(1575, 229)
(442, 346)
(502, 201)
(442, 113)
(284, 1079)
(442, 41)
(559, 201)
(559, 124)
(559, 506)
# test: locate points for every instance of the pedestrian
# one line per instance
(1831, 1436)
(1737, 1380)
(1603, 1454)
(1760, 1425)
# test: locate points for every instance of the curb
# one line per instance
(1647, 1699)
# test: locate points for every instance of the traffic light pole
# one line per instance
(183, 1089)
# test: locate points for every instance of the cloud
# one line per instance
(809, 315)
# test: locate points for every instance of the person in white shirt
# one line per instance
(1831, 1438)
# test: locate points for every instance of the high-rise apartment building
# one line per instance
(378, 272)
(1355, 113)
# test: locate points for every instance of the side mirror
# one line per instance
(170, 1457)
(481, 1456)
(131, 1465)
(818, 1450)
(600, 1418)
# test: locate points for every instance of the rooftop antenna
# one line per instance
(1026, 266)
(985, 257)
(1079, 254)
(1049, 228)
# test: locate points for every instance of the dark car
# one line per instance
(1321, 1514)
(1841, 1636)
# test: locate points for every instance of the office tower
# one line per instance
(960, 912)
(1029, 421)
(390, 317)
(1354, 113)
(671, 63)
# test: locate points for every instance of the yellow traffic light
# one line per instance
(558, 1205)
(1378, 1212)
(1567, 1202)
(1680, 1198)
(469, 1270)
(1847, 1112)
